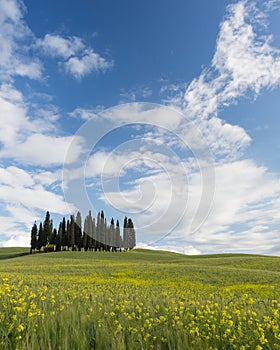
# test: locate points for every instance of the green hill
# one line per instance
(8, 253)
(140, 299)
(145, 265)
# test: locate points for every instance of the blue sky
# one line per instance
(165, 111)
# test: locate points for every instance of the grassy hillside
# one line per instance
(8, 253)
(139, 300)
(144, 265)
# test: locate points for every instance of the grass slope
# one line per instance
(138, 300)
(8, 253)
(143, 265)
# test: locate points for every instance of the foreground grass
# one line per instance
(139, 300)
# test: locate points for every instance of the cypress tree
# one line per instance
(68, 235)
(94, 235)
(89, 231)
(34, 232)
(72, 233)
(119, 242)
(51, 239)
(58, 241)
(64, 238)
(85, 235)
(41, 237)
(78, 231)
(106, 236)
(98, 229)
(102, 231)
(131, 234)
(125, 234)
(54, 235)
(47, 226)
(112, 235)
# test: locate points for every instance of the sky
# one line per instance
(163, 111)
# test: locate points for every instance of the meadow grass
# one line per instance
(9, 253)
(139, 300)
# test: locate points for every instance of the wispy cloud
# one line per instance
(86, 114)
(16, 41)
(138, 93)
(24, 197)
(21, 51)
(89, 62)
(245, 61)
(226, 141)
(78, 59)
(58, 46)
(167, 196)
(26, 139)
(43, 150)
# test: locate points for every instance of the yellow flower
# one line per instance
(20, 328)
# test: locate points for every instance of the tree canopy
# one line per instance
(93, 235)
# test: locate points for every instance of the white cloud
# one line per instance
(12, 114)
(32, 70)
(15, 177)
(15, 228)
(25, 216)
(85, 114)
(57, 46)
(24, 197)
(43, 150)
(15, 124)
(244, 62)
(89, 62)
(36, 197)
(173, 94)
(47, 178)
(245, 206)
(224, 139)
(79, 60)
(12, 233)
(21, 239)
(149, 113)
(15, 42)
(244, 210)
(118, 163)
(28, 190)
(136, 94)
(24, 139)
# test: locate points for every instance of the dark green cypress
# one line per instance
(102, 231)
(85, 235)
(72, 233)
(41, 238)
(119, 242)
(33, 242)
(58, 238)
(125, 234)
(64, 238)
(131, 234)
(98, 228)
(47, 226)
(78, 231)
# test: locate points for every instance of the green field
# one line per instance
(138, 300)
